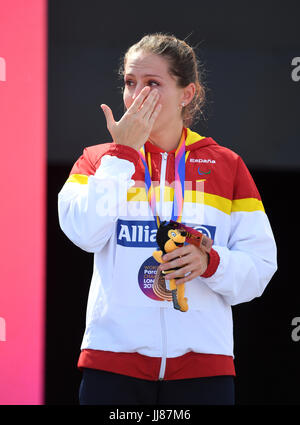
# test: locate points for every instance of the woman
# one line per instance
(137, 348)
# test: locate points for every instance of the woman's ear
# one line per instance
(188, 94)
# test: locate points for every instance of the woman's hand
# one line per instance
(135, 126)
(189, 258)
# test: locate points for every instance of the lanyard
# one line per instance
(180, 160)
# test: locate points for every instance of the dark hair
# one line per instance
(183, 64)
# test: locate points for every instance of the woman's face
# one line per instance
(144, 69)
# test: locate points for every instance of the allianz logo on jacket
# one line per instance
(141, 233)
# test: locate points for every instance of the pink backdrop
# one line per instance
(23, 55)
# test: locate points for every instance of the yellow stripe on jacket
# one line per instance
(223, 204)
(78, 178)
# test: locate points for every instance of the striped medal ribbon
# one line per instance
(180, 160)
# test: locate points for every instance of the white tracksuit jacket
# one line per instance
(103, 209)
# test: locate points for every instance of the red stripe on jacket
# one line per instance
(190, 365)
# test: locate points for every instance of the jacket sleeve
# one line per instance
(95, 195)
(241, 270)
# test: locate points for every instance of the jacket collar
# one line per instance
(193, 141)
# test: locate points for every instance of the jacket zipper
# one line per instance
(162, 310)
(164, 345)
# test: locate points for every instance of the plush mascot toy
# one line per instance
(171, 236)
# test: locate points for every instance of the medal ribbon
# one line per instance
(180, 160)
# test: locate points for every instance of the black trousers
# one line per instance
(105, 388)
